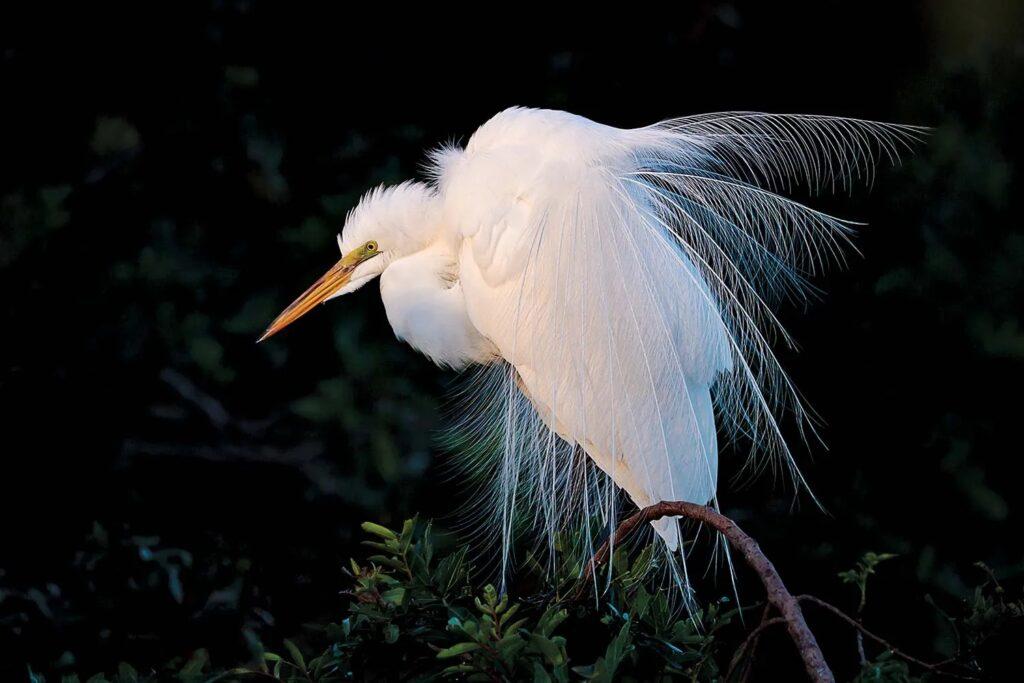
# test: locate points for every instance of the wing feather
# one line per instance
(628, 278)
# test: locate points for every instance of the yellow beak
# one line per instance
(321, 290)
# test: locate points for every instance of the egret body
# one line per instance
(619, 286)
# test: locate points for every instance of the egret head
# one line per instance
(388, 223)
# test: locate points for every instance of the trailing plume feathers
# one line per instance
(628, 279)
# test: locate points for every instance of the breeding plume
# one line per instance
(616, 286)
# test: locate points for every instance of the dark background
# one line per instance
(169, 181)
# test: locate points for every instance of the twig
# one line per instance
(814, 661)
(861, 654)
(750, 643)
(756, 640)
(934, 667)
(187, 389)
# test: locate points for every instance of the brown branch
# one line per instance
(814, 661)
(934, 667)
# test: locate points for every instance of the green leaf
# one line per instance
(509, 648)
(195, 665)
(456, 650)
(126, 673)
(407, 532)
(862, 571)
(603, 670)
(641, 567)
(458, 669)
(486, 628)
(639, 602)
(539, 674)
(516, 625)
(471, 628)
(395, 596)
(554, 654)
(295, 653)
(427, 550)
(620, 561)
(390, 547)
(378, 530)
(508, 614)
(618, 648)
(550, 620)
(450, 571)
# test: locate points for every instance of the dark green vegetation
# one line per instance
(414, 614)
(168, 183)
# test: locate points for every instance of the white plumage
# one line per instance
(617, 284)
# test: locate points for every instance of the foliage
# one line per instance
(886, 668)
(859, 574)
(415, 618)
(414, 615)
(985, 622)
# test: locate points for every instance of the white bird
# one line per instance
(618, 286)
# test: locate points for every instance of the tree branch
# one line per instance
(807, 645)
(936, 667)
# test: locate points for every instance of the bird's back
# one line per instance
(612, 332)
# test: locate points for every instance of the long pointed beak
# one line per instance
(321, 290)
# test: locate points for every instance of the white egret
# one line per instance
(618, 285)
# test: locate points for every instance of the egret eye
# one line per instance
(371, 247)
